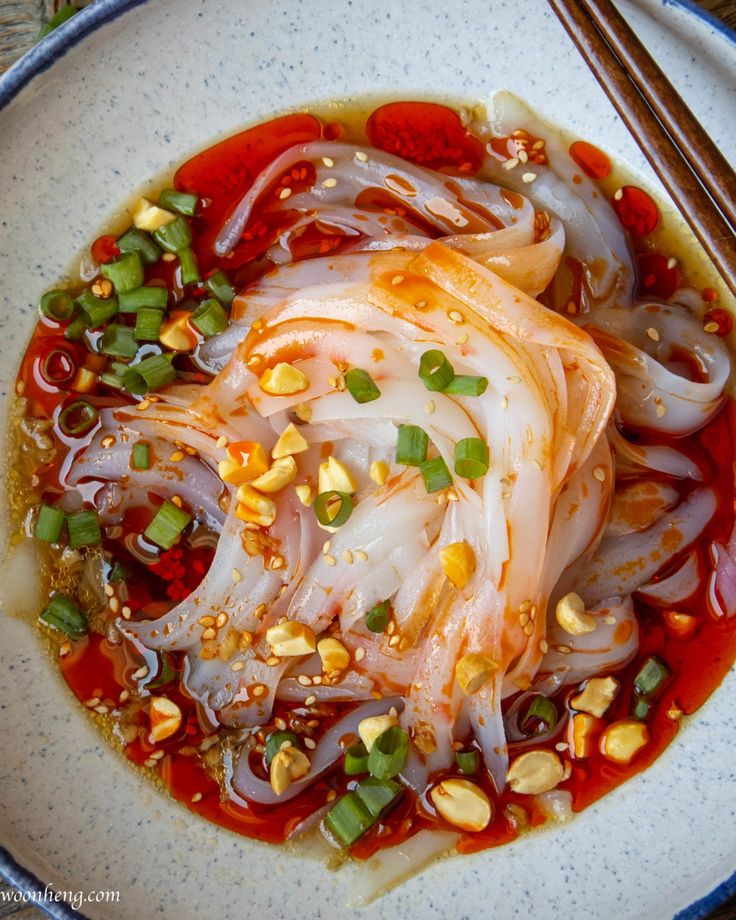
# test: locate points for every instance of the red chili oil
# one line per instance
(99, 670)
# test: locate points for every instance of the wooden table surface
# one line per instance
(19, 24)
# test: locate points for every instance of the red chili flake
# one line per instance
(332, 131)
(636, 210)
(593, 162)
(169, 565)
(709, 295)
(104, 249)
(178, 591)
(720, 319)
(656, 277)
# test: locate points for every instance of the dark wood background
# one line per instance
(19, 24)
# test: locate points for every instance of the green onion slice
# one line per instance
(149, 375)
(471, 458)
(57, 305)
(140, 458)
(653, 675)
(276, 741)
(361, 385)
(166, 672)
(411, 446)
(60, 17)
(388, 755)
(435, 474)
(148, 295)
(118, 341)
(125, 272)
(327, 514)
(189, 270)
(349, 819)
(467, 762)
(378, 795)
(166, 527)
(62, 614)
(220, 288)
(209, 317)
(174, 236)
(135, 240)
(49, 523)
(463, 385)
(148, 323)
(356, 759)
(377, 617)
(642, 708)
(118, 572)
(541, 709)
(435, 371)
(74, 332)
(96, 310)
(182, 202)
(78, 418)
(84, 529)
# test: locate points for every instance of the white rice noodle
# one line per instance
(634, 459)
(677, 587)
(637, 505)
(722, 582)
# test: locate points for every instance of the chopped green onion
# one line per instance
(435, 371)
(148, 324)
(411, 446)
(349, 819)
(96, 310)
(356, 759)
(78, 418)
(276, 741)
(541, 709)
(471, 458)
(125, 272)
(166, 527)
(209, 317)
(467, 762)
(324, 511)
(62, 614)
(463, 385)
(378, 795)
(140, 458)
(118, 340)
(178, 201)
(189, 270)
(113, 378)
(219, 286)
(377, 617)
(135, 240)
(74, 332)
(388, 755)
(84, 529)
(653, 675)
(148, 295)
(435, 474)
(57, 305)
(174, 236)
(49, 523)
(149, 374)
(166, 673)
(361, 385)
(642, 708)
(60, 17)
(118, 572)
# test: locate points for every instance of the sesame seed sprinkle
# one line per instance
(197, 797)
(599, 473)
(511, 164)
(430, 407)
(310, 701)
(284, 193)
(710, 327)
(359, 653)
(237, 577)
(360, 155)
(329, 183)
(397, 279)
(221, 442)
(528, 177)
(330, 560)
(653, 334)
(328, 161)
(455, 316)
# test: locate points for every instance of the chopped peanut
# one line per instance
(283, 380)
(165, 718)
(334, 475)
(473, 670)
(290, 639)
(85, 380)
(583, 730)
(255, 508)
(177, 334)
(458, 563)
(370, 729)
(304, 494)
(597, 696)
(244, 461)
(571, 615)
(287, 766)
(147, 216)
(623, 740)
(282, 472)
(462, 804)
(379, 471)
(290, 442)
(535, 772)
(334, 655)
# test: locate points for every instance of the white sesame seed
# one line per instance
(430, 407)
(522, 155)
(511, 164)
(359, 653)
(329, 560)
(618, 194)
(710, 327)
(528, 177)
(359, 155)
(328, 161)
(455, 316)
(310, 701)
(197, 797)
(329, 183)
(671, 263)
(361, 554)
(347, 556)
(221, 442)
(561, 746)
(237, 577)
(599, 473)
(326, 547)
(109, 590)
(397, 279)
(653, 334)
(609, 620)
(237, 666)
(310, 744)
(304, 680)
(284, 193)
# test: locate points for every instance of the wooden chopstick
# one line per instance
(681, 179)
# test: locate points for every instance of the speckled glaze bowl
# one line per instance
(118, 95)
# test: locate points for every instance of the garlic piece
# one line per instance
(462, 804)
(283, 380)
(334, 655)
(370, 729)
(596, 696)
(289, 639)
(473, 670)
(571, 615)
(290, 442)
(379, 471)
(535, 772)
(287, 766)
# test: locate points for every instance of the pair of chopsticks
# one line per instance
(690, 166)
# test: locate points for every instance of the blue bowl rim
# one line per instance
(36, 61)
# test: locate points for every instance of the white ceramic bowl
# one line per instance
(118, 95)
